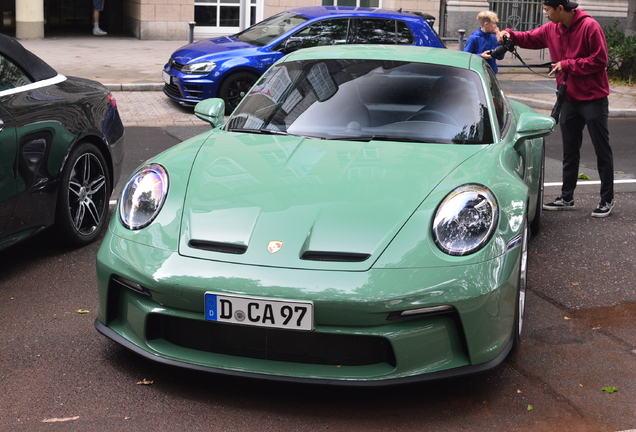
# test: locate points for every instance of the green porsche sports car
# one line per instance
(362, 218)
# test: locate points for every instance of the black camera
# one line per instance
(506, 45)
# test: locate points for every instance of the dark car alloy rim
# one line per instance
(236, 89)
(87, 193)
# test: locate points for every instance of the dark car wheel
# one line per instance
(234, 88)
(521, 289)
(535, 226)
(82, 204)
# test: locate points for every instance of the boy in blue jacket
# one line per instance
(483, 39)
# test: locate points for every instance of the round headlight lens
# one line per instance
(198, 68)
(466, 220)
(143, 196)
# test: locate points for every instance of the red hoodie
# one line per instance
(582, 50)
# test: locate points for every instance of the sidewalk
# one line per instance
(131, 68)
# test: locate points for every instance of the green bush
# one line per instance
(621, 64)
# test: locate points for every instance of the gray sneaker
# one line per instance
(604, 209)
(99, 32)
(559, 204)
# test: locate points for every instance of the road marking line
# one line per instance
(591, 182)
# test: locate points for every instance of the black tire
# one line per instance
(522, 284)
(234, 88)
(82, 200)
(535, 226)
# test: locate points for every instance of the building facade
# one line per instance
(169, 19)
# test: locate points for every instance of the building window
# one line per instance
(357, 3)
(222, 13)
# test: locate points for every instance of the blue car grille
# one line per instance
(172, 90)
(175, 65)
(271, 344)
(195, 91)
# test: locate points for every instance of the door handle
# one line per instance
(1, 125)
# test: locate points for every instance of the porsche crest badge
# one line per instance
(274, 246)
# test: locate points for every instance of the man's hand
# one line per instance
(486, 55)
(556, 68)
(501, 35)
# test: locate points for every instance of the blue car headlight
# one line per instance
(143, 196)
(465, 220)
(198, 68)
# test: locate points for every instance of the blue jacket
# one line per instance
(480, 41)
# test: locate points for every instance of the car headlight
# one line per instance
(198, 68)
(466, 220)
(143, 196)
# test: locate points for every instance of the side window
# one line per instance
(11, 76)
(327, 32)
(497, 98)
(404, 35)
(377, 31)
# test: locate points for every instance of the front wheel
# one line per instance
(234, 88)
(82, 202)
(521, 289)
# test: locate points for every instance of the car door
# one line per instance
(10, 77)
(8, 151)
(32, 115)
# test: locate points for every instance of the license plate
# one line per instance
(167, 78)
(259, 312)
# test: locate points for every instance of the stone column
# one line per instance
(29, 19)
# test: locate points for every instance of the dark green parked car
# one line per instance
(362, 218)
(61, 149)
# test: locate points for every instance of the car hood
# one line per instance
(209, 47)
(293, 202)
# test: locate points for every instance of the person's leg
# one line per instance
(596, 114)
(98, 6)
(572, 124)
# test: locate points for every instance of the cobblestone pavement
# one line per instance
(153, 109)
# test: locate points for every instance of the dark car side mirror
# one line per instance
(292, 44)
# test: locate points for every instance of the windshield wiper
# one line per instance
(259, 131)
(367, 138)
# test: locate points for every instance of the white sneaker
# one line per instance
(99, 32)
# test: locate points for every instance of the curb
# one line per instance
(532, 103)
(135, 87)
(542, 105)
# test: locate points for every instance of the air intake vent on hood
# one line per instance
(218, 247)
(334, 256)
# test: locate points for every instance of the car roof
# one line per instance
(32, 65)
(312, 12)
(406, 53)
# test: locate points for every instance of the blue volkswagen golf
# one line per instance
(228, 66)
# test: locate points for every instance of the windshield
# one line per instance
(367, 100)
(264, 32)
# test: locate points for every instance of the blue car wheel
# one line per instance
(234, 88)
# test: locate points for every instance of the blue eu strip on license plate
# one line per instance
(259, 312)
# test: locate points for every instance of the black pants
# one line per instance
(574, 117)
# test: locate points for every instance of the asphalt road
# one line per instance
(58, 373)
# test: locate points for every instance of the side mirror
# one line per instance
(292, 44)
(211, 111)
(533, 125)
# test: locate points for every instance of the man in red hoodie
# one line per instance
(578, 53)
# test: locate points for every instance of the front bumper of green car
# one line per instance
(378, 327)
